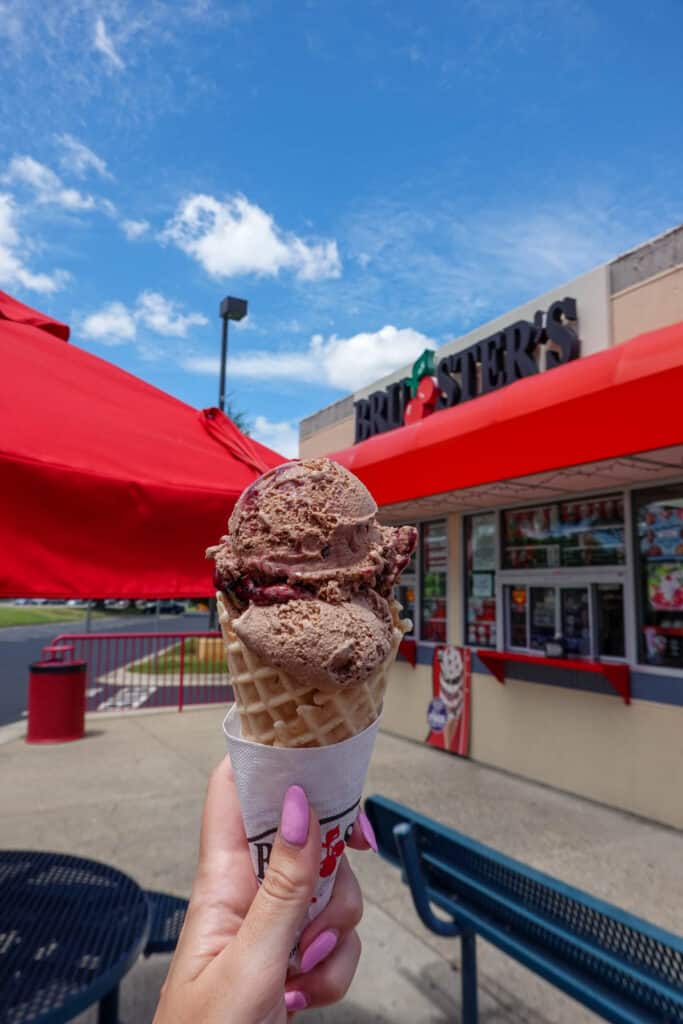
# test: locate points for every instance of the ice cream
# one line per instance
(305, 580)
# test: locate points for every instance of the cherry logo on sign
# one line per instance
(334, 848)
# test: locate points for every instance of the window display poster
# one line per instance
(665, 586)
(484, 544)
(482, 584)
(448, 715)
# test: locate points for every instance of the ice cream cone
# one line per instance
(278, 711)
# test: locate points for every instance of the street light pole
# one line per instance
(230, 309)
(224, 359)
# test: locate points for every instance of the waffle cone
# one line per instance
(278, 711)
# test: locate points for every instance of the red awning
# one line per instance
(110, 487)
(618, 402)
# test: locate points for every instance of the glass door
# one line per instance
(576, 621)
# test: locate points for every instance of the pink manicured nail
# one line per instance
(295, 815)
(321, 947)
(295, 1001)
(367, 831)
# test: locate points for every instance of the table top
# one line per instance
(69, 930)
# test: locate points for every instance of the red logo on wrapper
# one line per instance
(334, 848)
(451, 684)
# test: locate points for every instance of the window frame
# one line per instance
(464, 583)
(559, 586)
(417, 634)
(635, 496)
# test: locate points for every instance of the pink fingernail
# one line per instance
(295, 815)
(321, 947)
(295, 1001)
(367, 830)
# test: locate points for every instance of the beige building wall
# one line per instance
(647, 306)
(407, 699)
(328, 439)
(628, 756)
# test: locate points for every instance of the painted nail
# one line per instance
(367, 831)
(295, 814)
(295, 1001)
(321, 947)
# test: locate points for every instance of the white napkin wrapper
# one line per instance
(332, 778)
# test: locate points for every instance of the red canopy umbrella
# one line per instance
(110, 487)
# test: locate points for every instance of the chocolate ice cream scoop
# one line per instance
(310, 523)
(321, 645)
(311, 571)
(302, 517)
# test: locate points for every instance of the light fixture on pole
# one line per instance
(230, 309)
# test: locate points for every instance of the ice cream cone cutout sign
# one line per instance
(449, 711)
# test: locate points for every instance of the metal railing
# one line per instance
(147, 670)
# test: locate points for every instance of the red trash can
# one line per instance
(56, 701)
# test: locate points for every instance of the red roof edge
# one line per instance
(18, 313)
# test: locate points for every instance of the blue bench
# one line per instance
(619, 966)
(167, 914)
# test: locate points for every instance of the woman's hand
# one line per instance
(232, 956)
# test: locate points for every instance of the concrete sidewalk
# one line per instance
(131, 794)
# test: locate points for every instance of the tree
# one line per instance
(239, 418)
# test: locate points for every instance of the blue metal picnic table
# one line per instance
(70, 929)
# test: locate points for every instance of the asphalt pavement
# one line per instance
(21, 645)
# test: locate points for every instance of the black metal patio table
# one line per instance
(70, 929)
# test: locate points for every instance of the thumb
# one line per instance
(272, 925)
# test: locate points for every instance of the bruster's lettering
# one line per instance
(563, 335)
(503, 358)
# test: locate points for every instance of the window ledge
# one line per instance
(618, 676)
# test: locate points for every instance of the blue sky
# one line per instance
(372, 176)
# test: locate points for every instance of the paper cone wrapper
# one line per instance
(332, 778)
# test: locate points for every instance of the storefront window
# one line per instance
(480, 542)
(589, 619)
(610, 619)
(570, 534)
(659, 523)
(434, 570)
(405, 592)
(576, 620)
(542, 613)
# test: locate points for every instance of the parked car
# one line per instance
(171, 608)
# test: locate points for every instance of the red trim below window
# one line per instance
(618, 676)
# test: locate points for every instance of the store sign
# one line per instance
(503, 358)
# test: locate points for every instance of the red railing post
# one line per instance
(181, 673)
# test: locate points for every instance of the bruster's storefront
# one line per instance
(541, 457)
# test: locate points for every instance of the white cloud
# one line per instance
(114, 324)
(79, 159)
(108, 207)
(10, 23)
(161, 316)
(117, 323)
(13, 270)
(343, 363)
(134, 229)
(47, 185)
(282, 436)
(235, 237)
(104, 44)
